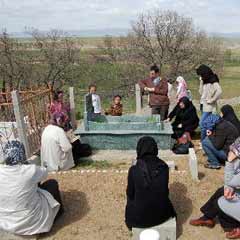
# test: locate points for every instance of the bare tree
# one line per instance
(168, 40)
(171, 41)
(46, 59)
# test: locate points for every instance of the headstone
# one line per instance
(193, 164)
(167, 231)
(72, 108)
(138, 99)
(9, 236)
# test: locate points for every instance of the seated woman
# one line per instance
(225, 202)
(220, 135)
(116, 107)
(28, 206)
(228, 114)
(56, 149)
(186, 119)
(59, 106)
(148, 203)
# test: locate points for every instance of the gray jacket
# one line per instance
(232, 181)
(210, 94)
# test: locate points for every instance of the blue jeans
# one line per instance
(203, 118)
(213, 154)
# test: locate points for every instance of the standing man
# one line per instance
(158, 91)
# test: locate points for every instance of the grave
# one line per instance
(167, 230)
(123, 132)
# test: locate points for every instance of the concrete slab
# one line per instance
(167, 230)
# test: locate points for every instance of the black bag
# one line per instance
(182, 148)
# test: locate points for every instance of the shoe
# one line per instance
(234, 234)
(209, 166)
(204, 222)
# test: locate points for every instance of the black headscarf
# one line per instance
(147, 159)
(230, 116)
(207, 74)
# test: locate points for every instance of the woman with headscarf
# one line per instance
(227, 113)
(27, 206)
(56, 149)
(186, 119)
(181, 88)
(225, 202)
(59, 106)
(148, 201)
(210, 91)
(220, 135)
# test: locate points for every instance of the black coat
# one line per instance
(187, 117)
(224, 134)
(148, 206)
(230, 116)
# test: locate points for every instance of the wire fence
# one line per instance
(34, 114)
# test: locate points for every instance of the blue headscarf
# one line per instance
(210, 122)
(14, 153)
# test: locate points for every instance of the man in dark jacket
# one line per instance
(220, 135)
(158, 90)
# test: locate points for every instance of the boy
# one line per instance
(116, 107)
(93, 102)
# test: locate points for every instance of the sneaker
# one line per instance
(209, 166)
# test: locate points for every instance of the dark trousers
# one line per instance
(162, 110)
(52, 187)
(80, 150)
(212, 210)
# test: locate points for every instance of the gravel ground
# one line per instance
(95, 202)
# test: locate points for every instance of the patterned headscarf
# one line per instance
(211, 121)
(235, 147)
(14, 153)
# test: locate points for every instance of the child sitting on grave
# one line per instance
(116, 107)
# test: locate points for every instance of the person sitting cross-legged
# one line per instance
(225, 202)
(28, 206)
(148, 202)
(220, 135)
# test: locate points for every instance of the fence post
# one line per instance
(21, 126)
(138, 99)
(72, 107)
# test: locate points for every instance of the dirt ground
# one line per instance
(95, 203)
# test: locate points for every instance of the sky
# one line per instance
(211, 15)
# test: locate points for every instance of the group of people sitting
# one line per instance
(30, 205)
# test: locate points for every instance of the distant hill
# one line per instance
(235, 35)
(82, 33)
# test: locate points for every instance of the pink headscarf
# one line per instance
(182, 88)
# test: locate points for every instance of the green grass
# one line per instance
(89, 164)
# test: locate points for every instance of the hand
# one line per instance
(151, 89)
(145, 89)
(209, 101)
(209, 132)
(167, 120)
(229, 193)
(180, 125)
(231, 156)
